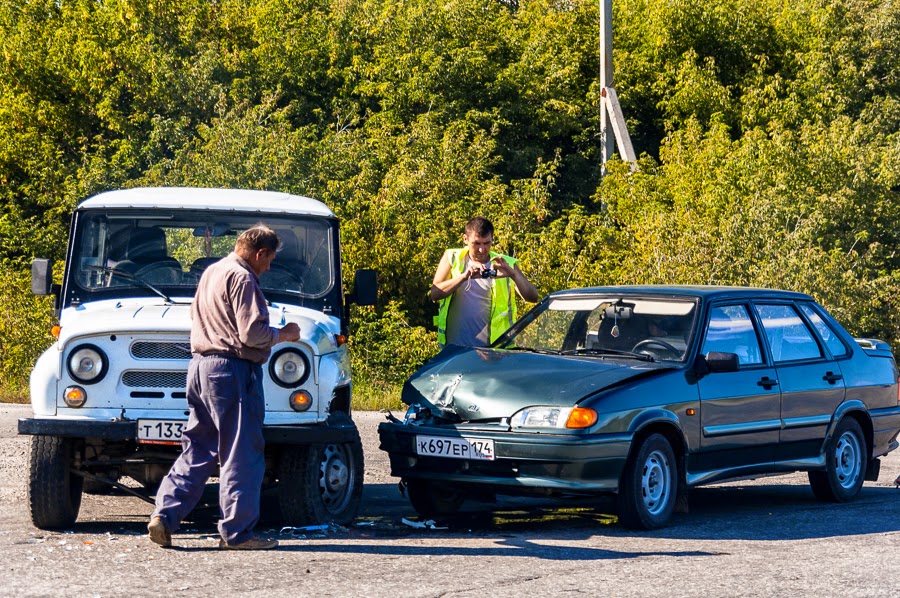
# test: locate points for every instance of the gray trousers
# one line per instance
(224, 429)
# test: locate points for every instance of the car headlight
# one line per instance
(289, 368)
(554, 417)
(87, 364)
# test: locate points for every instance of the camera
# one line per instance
(489, 273)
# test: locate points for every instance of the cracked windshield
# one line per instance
(647, 328)
(133, 250)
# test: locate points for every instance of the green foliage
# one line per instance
(768, 135)
(384, 347)
(24, 333)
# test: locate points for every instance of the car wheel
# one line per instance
(321, 483)
(434, 499)
(845, 464)
(649, 487)
(54, 492)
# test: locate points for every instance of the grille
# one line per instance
(155, 379)
(161, 350)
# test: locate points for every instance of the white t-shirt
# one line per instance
(469, 316)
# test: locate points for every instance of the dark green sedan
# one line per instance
(646, 392)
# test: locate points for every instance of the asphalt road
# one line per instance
(766, 537)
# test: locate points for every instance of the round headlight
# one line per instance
(87, 364)
(289, 368)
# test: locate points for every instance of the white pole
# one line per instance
(613, 128)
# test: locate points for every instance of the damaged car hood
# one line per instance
(483, 384)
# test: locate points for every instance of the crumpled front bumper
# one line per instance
(524, 461)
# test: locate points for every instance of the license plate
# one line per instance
(455, 448)
(160, 431)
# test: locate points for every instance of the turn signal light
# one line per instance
(74, 396)
(340, 339)
(55, 331)
(301, 400)
(581, 417)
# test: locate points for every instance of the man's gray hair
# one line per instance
(259, 236)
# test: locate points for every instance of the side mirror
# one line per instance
(42, 277)
(722, 362)
(365, 288)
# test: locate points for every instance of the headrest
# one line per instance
(146, 244)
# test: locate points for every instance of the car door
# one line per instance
(811, 382)
(740, 412)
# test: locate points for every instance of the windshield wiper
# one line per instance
(531, 350)
(131, 277)
(617, 352)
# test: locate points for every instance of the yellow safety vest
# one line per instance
(503, 304)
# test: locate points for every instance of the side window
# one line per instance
(730, 330)
(789, 338)
(833, 343)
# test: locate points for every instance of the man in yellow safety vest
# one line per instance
(475, 288)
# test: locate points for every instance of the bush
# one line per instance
(384, 348)
(25, 322)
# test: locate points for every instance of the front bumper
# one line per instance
(558, 463)
(127, 430)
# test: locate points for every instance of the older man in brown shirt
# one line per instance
(230, 340)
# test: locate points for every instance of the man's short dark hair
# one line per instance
(257, 237)
(480, 226)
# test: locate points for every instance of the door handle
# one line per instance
(767, 383)
(831, 377)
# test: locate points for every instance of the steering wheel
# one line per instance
(281, 272)
(160, 273)
(647, 342)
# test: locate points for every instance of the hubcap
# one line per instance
(334, 478)
(847, 460)
(656, 482)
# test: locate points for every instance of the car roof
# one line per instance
(705, 292)
(197, 198)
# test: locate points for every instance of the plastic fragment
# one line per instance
(300, 532)
(427, 524)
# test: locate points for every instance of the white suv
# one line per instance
(109, 396)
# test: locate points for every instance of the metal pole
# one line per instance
(613, 128)
(607, 140)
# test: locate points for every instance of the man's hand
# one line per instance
(290, 332)
(474, 270)
(502, 267)
(525, 288)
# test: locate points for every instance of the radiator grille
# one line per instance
(137, 379)
(161, 350)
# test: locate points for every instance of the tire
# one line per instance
(845, 464)
(649, 488)
(53, 492)
(323, 483)
(434, 499)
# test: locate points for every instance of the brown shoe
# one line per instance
(158, 532)
(254, 543)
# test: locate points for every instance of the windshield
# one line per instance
(168, 253)
(646, 327)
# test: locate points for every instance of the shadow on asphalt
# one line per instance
(519, 526)
(753, 512)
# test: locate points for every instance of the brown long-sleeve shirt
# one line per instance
(229, 313)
